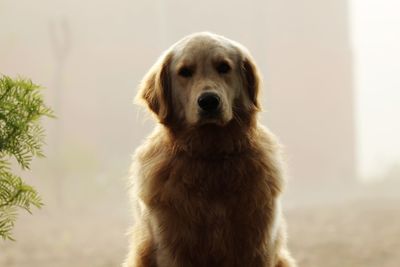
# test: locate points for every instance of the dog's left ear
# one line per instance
(155, 89)
(252, 80)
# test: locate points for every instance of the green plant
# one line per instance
(21, 139)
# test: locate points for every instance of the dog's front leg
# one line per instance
(142, 249)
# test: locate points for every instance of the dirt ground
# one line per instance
(363, 232)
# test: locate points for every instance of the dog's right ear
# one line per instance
(155, 89)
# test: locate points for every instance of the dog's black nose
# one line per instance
(209, 102)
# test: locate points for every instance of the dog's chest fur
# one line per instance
(207, 212)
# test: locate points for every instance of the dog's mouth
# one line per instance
(216, 118)
(210, 119)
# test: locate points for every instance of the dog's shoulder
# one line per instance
(150, 161)
(266, 138)
(155, 145)
(270, 155)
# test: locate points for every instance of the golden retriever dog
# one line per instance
(206, 183)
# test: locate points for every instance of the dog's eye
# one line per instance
(185, 72)
(223, 68)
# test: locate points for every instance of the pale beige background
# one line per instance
(331, 94)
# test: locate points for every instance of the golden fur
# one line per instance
(206, 190)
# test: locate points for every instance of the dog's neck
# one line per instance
(213, 142)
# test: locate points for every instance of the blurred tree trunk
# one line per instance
(60, 38)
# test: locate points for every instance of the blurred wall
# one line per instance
(303, 50)
(310, 91)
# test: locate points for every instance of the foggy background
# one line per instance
(331, 93)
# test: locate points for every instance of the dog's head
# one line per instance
(202, 79)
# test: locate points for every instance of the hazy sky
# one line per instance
(376, 39)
